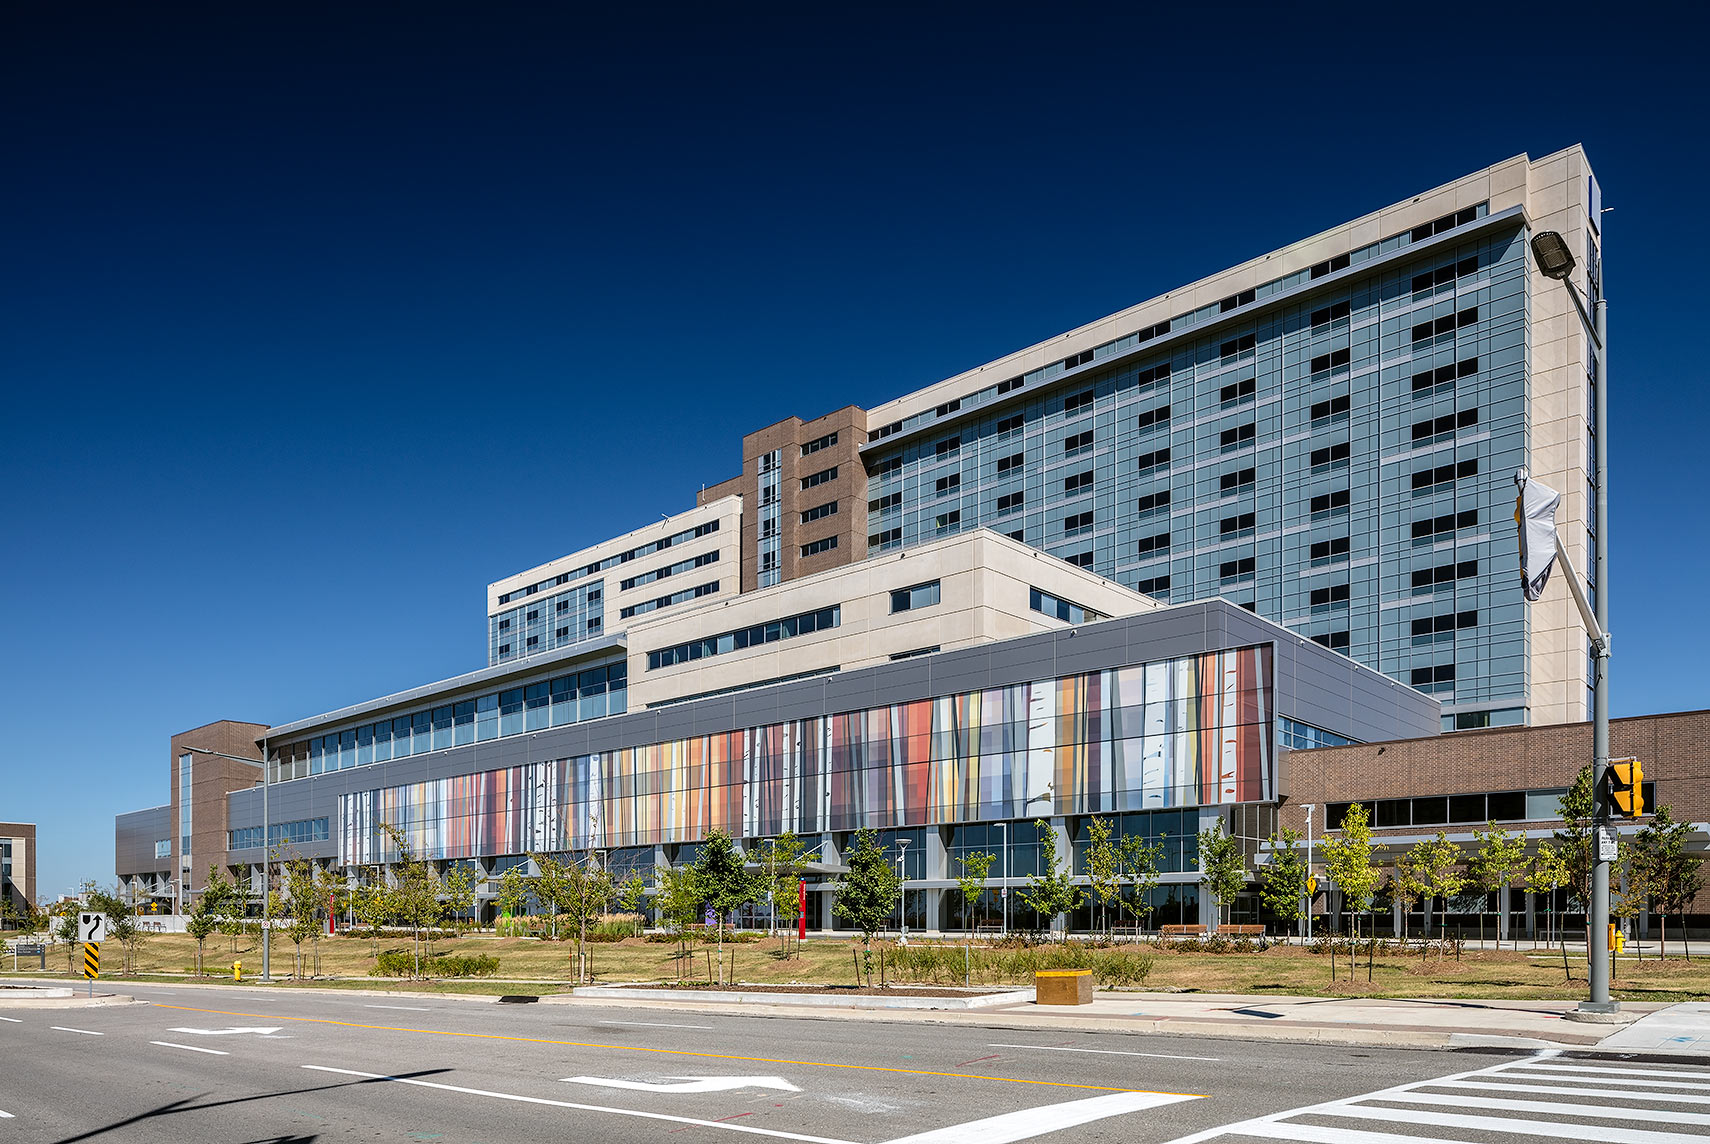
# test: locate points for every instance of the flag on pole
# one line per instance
(1535, 513)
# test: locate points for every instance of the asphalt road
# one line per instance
(228, 1066)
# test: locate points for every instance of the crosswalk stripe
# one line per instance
(1610, 1093)
(1549, 1106)
(1317, 1134)
(1505, 1126)
(1586, 1081)
(1553, 1066)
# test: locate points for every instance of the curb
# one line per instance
(803, 1000)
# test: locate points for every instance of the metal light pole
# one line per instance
(1308, 888)
(902, 892)
(266, 859)
(1556, 261)
(1003, 890)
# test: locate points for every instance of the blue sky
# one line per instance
(313, 316)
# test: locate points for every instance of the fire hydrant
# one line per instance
(237, 971)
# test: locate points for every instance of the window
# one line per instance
(1443, 474)
(1445, 425)
(947, 520)
(1010, 502)
(1231, 571)
(1078, 524)
(1152, 502)
(1147, 378)
(1246, 343)
(1447, 222)
(1013, 461)
(1080, 559)
(1335, 641)
(1235, 301)
(1074, 361)
(948, 484)
(561, 634)
(1234, 525)
(1153, 418)
(1447, 324)
(1443, 375)
(884, 431)
(1080, 482)
(919, 651)
(1335, 359)
(948, 408)
(1004, 387)
(888, 466)
(1238, 392)
(1438, 678)
(1157, 586)
(504, 649)
(1335, 407)
(1444, 275)
(799, 625)
(948, 448)
(819, 443)
(1445, 525)
(1047, 604)
(562, 606)
(1012, 424)
(820, 477)
(1158, 458)
(700, 561)
(1332, 313)
(1330, 266)
(1331, 503)
(818, 546)
(1329, 597)
(1329, 456)
(885, 503)
(654, 605)
(533, 641)
(1231, 482)
(533, 615)
(1019, 534)
(1077, 444)
(504, 624)
(889, 538)
(1238, 437)
(1427, 628)
(913, 598)
(1329, 551)
(1077, 403)
(1426, 579)
(1149, 546)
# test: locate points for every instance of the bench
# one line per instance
(1181, 931)
(29, 949)
(1241, 931)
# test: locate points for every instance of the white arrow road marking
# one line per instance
(649, 1024)
(85, 1032)
(1031, 1122)
(192, 1048)
(583, 1107)
(690, 1084)
(11, 1020)
(4, 1115)
(406, 1008)
(261, 1029)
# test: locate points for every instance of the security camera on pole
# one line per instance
(1540, 548)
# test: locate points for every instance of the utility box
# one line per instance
(1062, 987)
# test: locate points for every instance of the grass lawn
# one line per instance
(529, 965)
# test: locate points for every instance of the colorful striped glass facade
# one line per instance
(1197, 730)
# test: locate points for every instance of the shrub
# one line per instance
(512, 927)
(402, 963)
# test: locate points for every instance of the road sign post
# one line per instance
(91, 963)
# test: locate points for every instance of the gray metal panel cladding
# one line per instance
(134, 836)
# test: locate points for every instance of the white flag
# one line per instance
(1535, 513)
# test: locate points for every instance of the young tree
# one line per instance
(549, 885)
(415, 895)
(1053, 893)
(1496, 863)
(202, 924)
(588, 893)
(512, 898)
(784, 863)
(1348, 861)
(302, 907)
(1104, 866)
(1282, 882)
(1436, 864)
(724, 883)
(1574, 841)
(1222, 867)
(677, 897)
(459, 883)
(972, 880)
(1140, 860)
(870, 891)
(1670, 874)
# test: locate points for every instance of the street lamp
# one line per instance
(1556, 261)
(266, 858)
(902, 892)
(1308, 887)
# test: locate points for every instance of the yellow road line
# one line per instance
(671, 1052)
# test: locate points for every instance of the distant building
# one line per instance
(18, 862)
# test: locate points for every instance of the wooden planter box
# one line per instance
(1063, 987)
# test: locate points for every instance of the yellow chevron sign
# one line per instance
(92, 959)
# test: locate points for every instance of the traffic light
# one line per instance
(1626, 787)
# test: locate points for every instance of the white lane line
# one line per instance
(1582, 1081)
(11, 1020)
(1503, 1126)
(85, 1032)
(191, 1048)
(1606, 1093)
(582, 1107)
(1030, 1122)
(1549, 1106)
(408, 1008)
(655, 1024)
(4, 1115)
(1555, 1067)
(1105, 1052)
